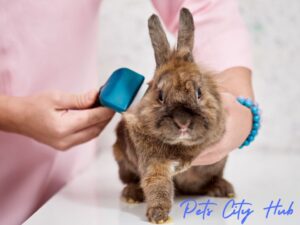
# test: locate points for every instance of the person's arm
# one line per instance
(233, 82)
(57, 119)
(8, 113)
(222, 45)
(237, 81)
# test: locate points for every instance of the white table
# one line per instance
(94, 196)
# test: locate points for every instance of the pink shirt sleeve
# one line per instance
(221, 38)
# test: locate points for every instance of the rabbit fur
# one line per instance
(180, 115)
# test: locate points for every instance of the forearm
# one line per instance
(10, 111)
(237, 81)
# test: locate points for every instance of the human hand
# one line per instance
(237, 128)
(60, 120)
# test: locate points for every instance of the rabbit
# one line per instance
(179, 116)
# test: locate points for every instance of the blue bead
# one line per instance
(256, 118)
(254, 109)
(241, 100)
(246, 143)
(256, 125)
(250, 138)
(248, 102)
(253, 133)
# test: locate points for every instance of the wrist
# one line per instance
(11, 113)
(238, 121)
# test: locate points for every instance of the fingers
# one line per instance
(212, 154)
(75, 101)
(79, 120)
(90, 125)
(80, 137)
(208, 158)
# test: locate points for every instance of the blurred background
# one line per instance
(274, 29)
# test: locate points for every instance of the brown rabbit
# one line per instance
(180, 115)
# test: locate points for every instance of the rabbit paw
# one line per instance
(133, 193)
(220, 188)
(157, 215)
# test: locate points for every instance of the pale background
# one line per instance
(274, 29)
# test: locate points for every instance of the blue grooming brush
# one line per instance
(121, 89)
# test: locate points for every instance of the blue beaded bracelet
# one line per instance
(255, 119)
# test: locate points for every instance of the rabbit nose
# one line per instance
(182, 124)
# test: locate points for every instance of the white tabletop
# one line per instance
(94, 196)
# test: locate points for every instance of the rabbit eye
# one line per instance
(198, 93)
(160, 96)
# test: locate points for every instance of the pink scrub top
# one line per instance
(47, 45)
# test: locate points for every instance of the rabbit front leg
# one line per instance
(158, 188)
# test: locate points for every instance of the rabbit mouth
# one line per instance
(184, 135)
(185, 139)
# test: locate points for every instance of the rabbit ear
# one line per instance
(159, 40)
(186, 33)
